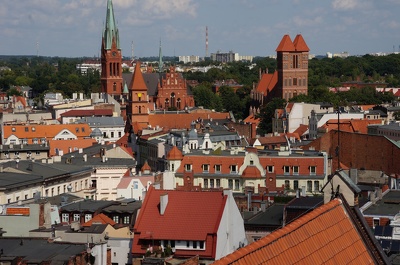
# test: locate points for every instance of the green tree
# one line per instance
(267, 112)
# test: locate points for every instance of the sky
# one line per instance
(73, 28)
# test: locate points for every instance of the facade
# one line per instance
(189, 59)
(244, 171)
(111, 128)
(207, 224)
(73, 115)
(291, 77)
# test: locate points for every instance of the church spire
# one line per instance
(160, 62)
(110, 33)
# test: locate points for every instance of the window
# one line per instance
(270, 169)
(313, 170)
(376, 222)
(33, 129)
(295, 170)
(126, 220)
(316, 185)
(88, 217)
(188, 167)
(206, 183)
(201, 244)
(187, 243)
(135, 185)
(112, 134)
(286, 170)
(65, 218)
(251, 162)
(194, 244)
(205, 168)
(217, 168)
(37, 153)
(211, 183)
(218, 183)
(233, 168)
(295, 184)
(237, 184)
(119, 134)
(77, 217)
(116, 219)
(26, 129)
(13, 129)
(309, 186)
(230, 184)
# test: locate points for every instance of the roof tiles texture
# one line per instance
(185, 218)
(137, 83)
(323, 236)
(100, 219)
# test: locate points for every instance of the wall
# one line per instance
(19, 226)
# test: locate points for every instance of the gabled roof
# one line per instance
(326, 235)
(100, 219)
(286, 45)
(188, 215)
(137, 83)
(299, 44)
(301, 129)
(251, 172)
(45, 131)
(267, 83)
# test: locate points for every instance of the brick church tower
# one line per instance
(111, 56)
(292, 60)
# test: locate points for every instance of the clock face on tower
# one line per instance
(114, 53)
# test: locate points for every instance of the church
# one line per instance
(139, 93)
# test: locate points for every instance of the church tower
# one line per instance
(138, 100)
(111, 56)
(292, 59)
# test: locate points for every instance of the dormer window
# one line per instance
(206, 168)
(295, 170)
(13, 129)
(251, 162)
(270, 169)
(217, 168)
(313, 170)
(233, 168)
(286, 170)
(33, 129)
(188, 167)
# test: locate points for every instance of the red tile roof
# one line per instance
(286, 45)
(252, 119)
(145, 166)
(350, 125)
(137, 83)
(87, 113)
(18, 211)
(300, 44)
(188, 215)
(301, 130)
(100, 219)
(251, 172)
(323, 236)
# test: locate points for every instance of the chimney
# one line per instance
(163, 203)
(372, 197)
(84, 157)
(303, 191)
(378, 193)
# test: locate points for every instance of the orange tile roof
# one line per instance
(350, 125)
(49, 131)
(286, 45)
(252, 119)
(366, 107)
(323, 236)
(188, 215)
(137, 82)
(300, 44)
(66, 145)
(267, 82)
(175, 154)
(301, 130)
(100, 219)
(145, 166)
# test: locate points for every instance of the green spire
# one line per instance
(110, 31)
(126, 90)
(160, 62)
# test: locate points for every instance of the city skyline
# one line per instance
(74, 28)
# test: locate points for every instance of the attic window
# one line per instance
(313, 170)
(33, 129)
(188, 167)
(26, 129)
(83, 129)
(13, 129)
(77, 129)
(251, 162)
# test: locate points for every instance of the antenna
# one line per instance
(132, 52)
(207, 41)
(37, 48)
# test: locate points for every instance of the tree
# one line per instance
(267, 112)
(203, 96)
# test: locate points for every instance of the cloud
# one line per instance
(345, 4)
(303, 22)
(168, 9)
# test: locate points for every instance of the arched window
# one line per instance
(178, 103)
(172, 99)
(115, 86)
(140, 109)
(166, 103)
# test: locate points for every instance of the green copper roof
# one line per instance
(110, 30)
(126, 90)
